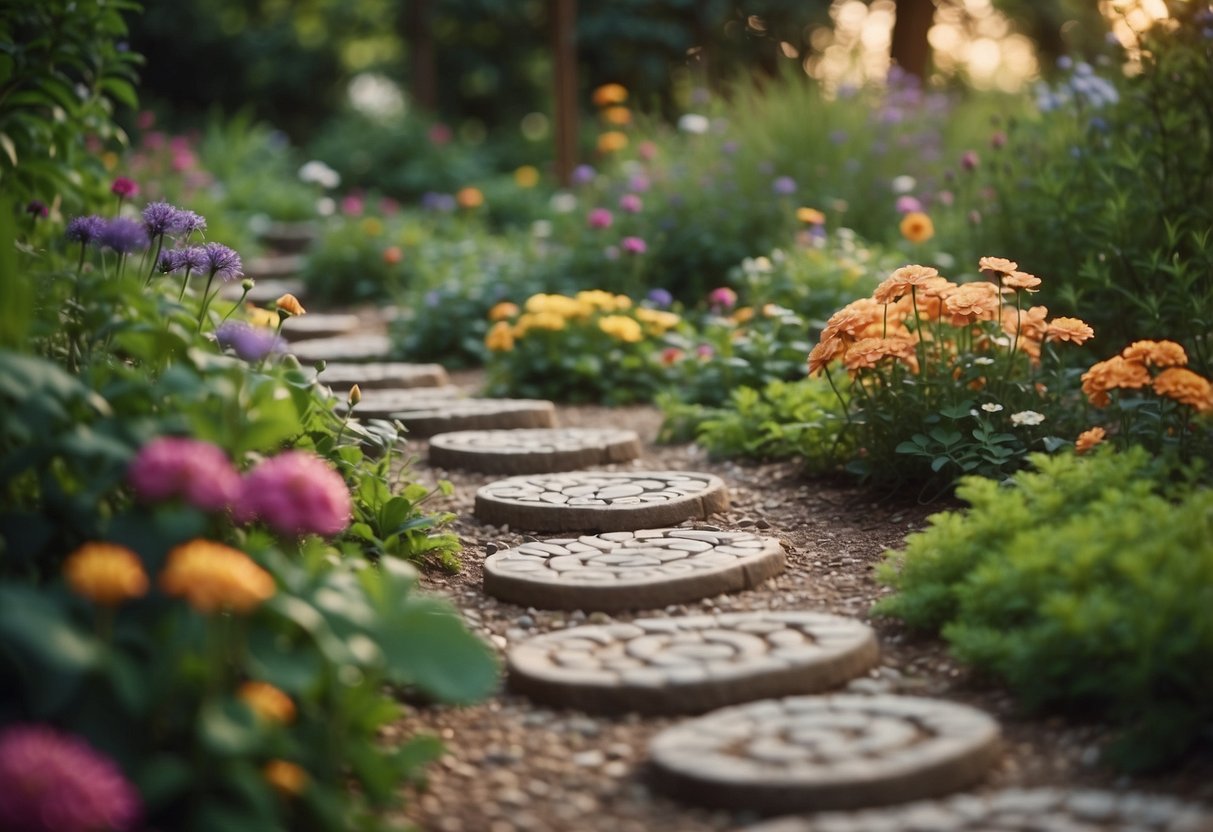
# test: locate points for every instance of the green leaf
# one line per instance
(228, 728)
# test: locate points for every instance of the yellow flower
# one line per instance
(290, 304)
(1088, 439)
(1185, 387)
(917, 227)
(214, 577)
(500, 338)
(617, 115)
(526, 176)
(372, 227)
(287, 778)
(469, 198)
(658, 320)
(621, 327)
(105, 573)
(550, 321)
(743, 315)
(611, 141)
(609, 94)
(503, 310)
(260, 317)
(810, 216)
(560, 305)
(267, 702)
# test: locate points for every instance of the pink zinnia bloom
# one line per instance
(54, 782)
(722, 298)
(646, 150)
(197, 472)
(599, 218)
(296, 493)
(124, 188)
(908, 204)
(633, 245)
(705, 351)
(352, 205)
(631, 204)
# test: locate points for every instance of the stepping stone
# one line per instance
(263, 291)
(371, 376)
(320, 325)
(693, 664)
(600, 500)
(624, 570)
(1015, 810)
(274, 267)
(533, 451)
(289, 237)
(385, 403)
(841, 751)
(361, 347)
(427, 418)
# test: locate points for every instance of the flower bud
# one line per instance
(355, 395)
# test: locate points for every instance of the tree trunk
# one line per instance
(423, 81)
(564, 86)
(910, 48)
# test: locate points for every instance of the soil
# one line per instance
(510, 765)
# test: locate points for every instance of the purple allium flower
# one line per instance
(907, 204)
(55, 782)
(188, 222)
(583, 175)
(599, 218)
(123, 235)
(434, 201)
(784, 186)
(197, 472)
(222, 261)
(722, 298)
(633, 245)
(194, 258)
(631, 204)
(124, 188)
(969, 160)
(661, 298)
(160, 218)
(85, 229)
(251, 343)
(169, 261)
(37, 208)
(296, 493)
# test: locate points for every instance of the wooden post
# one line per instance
(910, 49)
(564, 87)
(421, 55)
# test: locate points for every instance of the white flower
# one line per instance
(694, 123)
(541, 229)
(1027, 417)
(376, 95)
(990, 407)
(319, 173)
(983, 360)
(903, 184)
(325, 206)
(564, 202)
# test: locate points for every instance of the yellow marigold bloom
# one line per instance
(213, 577)
(902, 281)
(997, 266)
(1021, 280)
(621, 327)
(970, 302)
(526, 176)
(658, 320)
(612, 141)
(1069, 329)
(267, 702)
(810, 216)
(561, 305)
(500, 338)
(550, 321)
(743, 315)
(469, 198)
(824, 353)
(372, 227)
(1185, 387)
(105, 573)
(290, 304)
(917, 227)
(1156, 353)
(1088, 439)
(608, 94)
(503, 310)
(287, 778)
(617, 115)
(598, 299)
(260, 317)
(866, 353)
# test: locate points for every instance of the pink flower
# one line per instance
(124, 188)
(352, 205)
(599, 218)
(631, 203)
(633, 245)
(639, 183)
(969, 160)
(440, 134)
(722, 298)
(705, 351)
(146, 120)
(296, 493)
(195, 471)
(646, 150)
(907, 204)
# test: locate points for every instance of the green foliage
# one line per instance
(1084, 584)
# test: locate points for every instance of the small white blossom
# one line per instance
(317, 172)
(564, 202)
(1027, 417)
(903, 184)
(694, 123)
(983, 360)
(990, 407)
(541, 229)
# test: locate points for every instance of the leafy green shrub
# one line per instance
(1085, 585)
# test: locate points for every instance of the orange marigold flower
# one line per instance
(868, 352)
(970, 302)
(105, 573)
(287, 778)
(743, 315)
(617, 115)
(810, 216)
(853, 318)
(823, 353)
(392, 255)
(608, 94)
(1156, 353)
(500, 337)
(267, 702)
(611, 141)
(1021, 280)
(469, 198)
(902, 281)
(917, 227)
(1113, 374)
(213, 577)
(503, 310)
(1069, 329)
(1185, 387)
(290, 304)
(1031, 322)
(996, 266)
(1088, 439)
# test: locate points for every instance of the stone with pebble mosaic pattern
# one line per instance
(600, 500)
(646, 569)
(536, 451)
(811, 753)
(691, 664)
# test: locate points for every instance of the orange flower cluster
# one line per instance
(268, 702)
(1131, 371)
(105, 573)
(213, 577)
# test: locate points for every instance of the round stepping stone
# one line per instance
(373, 376)
(1015, 810)
(362, 347)
(693, 664)
(385, 403)
(319, 325)
(842, 751)
(600, 500)
(631, 570)
(274, 267)
(533, 451)
(289, 237)
(263, 291)
(427, 418)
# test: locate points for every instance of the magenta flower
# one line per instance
(54, 782)
(124, 188)
(722, 298)
(646, 150)
(599, 218)
(639, 183)
(439, 134)
(969, 160)
(296, 493)
(37, 208)
(352, 205)
(631, 203)
(907, 204)
(175, 467)
(633, 245)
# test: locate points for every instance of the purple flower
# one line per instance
(55, 782)
(85, 229)
(37, 208)
(197, 472)
(969, 160)
(631, 204)
(661, 298)
(194, 259)
(297, 493)
(599, 218)
(729, 148)
(784, 186)
(188, 222)
(434, 201)
(583, 175)
(639, 183)
(907, 204)
(222, 261)
(248, 342)
(633, 245)
(169, 261)
(123, 235)
(160, 219)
